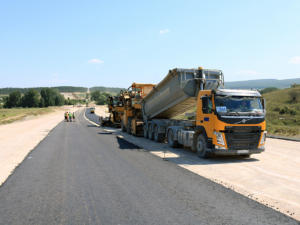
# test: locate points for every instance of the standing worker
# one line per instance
(73, 116)
(70, 117)
(66, 116)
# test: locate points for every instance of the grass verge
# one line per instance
(14, 114)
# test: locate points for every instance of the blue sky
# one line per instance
(114, 43)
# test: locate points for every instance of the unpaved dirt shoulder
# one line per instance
(271, 178)
(101, 110)
(19, 138)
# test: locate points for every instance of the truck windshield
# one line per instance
(238, 105)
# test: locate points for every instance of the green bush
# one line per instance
(267, 90)
(51, 97)
(99, 97)
(31, 99)
(13, 100)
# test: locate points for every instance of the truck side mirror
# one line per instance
(263, 104)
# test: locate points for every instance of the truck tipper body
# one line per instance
(225, 122)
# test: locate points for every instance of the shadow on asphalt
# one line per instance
(191, 159)
(91, 125)
(104, 132)
(123, 144)
(186, 156)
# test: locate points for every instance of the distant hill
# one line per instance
(262, 83)
(113, 90)
(283, 115)
(6, 91)
(257, 84)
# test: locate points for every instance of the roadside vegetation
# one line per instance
(283, 111)
(32, 98)
(17, 105)
(7, 91)
(109, 90)
(11, 115)
(99, 97)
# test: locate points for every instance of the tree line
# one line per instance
(99, 97)
(34, 98)
(113, 90)
(6, 91)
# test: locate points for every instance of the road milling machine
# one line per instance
(132, 119)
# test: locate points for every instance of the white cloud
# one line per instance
(295, 60)
(96, 61)
(164, 31)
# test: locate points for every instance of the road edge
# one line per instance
(26, 156)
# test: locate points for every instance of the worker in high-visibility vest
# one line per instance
(70, 117)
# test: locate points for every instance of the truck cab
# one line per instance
(229, 122)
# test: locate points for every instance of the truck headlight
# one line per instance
(219, 137)
(263, 138)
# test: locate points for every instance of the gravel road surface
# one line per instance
(82, 174)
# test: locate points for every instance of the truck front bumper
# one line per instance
(236, 152)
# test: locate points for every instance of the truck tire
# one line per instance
(145, 132)
(128, 127)
(157, 137)
(150, 133)
(201, 146)
(172, 143)
(123, 128)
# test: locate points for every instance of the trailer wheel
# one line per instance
(171, 141)
(157, 137)
(145, 132)
(201, 146)
(150, 133)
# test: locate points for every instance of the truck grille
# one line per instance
(242, 137)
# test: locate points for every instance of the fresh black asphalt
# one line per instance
(82, 174)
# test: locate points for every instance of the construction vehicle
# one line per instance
(115, 109)
(225, 122)
(132, 120)
(92, 110)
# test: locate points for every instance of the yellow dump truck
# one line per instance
(226, 121)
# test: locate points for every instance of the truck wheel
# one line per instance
(145, 132)
(122, 126)
(150, 133)
(201, 146)
(171, 141)
(157, 136)
(128, 127)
